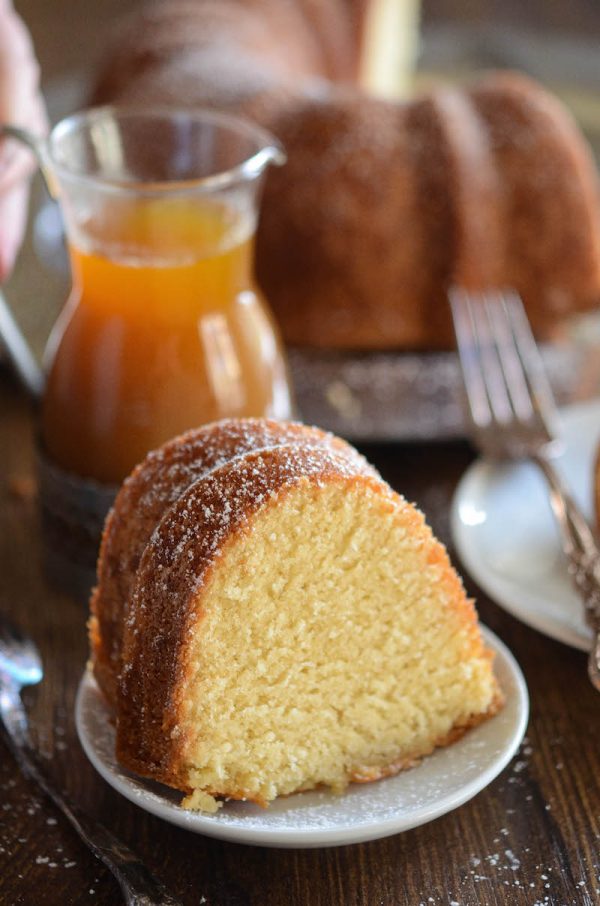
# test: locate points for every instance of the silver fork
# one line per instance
(21, 665)
(513, 416)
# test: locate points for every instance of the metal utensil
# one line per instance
(21, 665)
(513, 416)
(12, 338)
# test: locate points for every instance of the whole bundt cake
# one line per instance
(271, 616)
(382, 205)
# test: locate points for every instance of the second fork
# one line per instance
(513, 416)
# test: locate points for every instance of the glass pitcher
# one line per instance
(164, 329)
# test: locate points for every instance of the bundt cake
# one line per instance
(142, 501)
(382, 204)
(271, 617)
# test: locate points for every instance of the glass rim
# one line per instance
(269, 150)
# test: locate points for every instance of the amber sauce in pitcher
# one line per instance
(164, 330)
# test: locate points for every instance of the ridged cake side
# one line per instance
(145, 496)
(550, 198)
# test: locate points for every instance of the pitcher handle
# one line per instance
(18, 349)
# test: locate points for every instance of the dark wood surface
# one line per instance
(532, 837)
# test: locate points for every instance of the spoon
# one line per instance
(21, 665)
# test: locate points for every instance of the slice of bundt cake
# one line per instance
(292, 622)
(151, 488)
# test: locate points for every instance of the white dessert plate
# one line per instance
(507, 539)
(442, 782)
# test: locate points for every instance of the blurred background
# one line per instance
(69, 35)
(555, 41)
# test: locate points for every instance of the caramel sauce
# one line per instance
(164, 330)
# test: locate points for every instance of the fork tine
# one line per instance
(466, 340)
(490, 361)
(511, 363)
(480, 357)
(503, 370)
(533, 365)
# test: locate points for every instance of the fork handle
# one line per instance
(139, 886)
(581, 551)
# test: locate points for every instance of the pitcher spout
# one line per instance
(271, 154)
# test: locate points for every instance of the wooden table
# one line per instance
(532, 837)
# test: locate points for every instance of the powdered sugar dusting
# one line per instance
(199, 522)
(160, 480)
(198, 459)
(169, 470)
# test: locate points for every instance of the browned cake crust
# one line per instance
(550, 198)
(177, 563)
(145, 496)
(381, 206)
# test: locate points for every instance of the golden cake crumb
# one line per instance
(199, 801)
